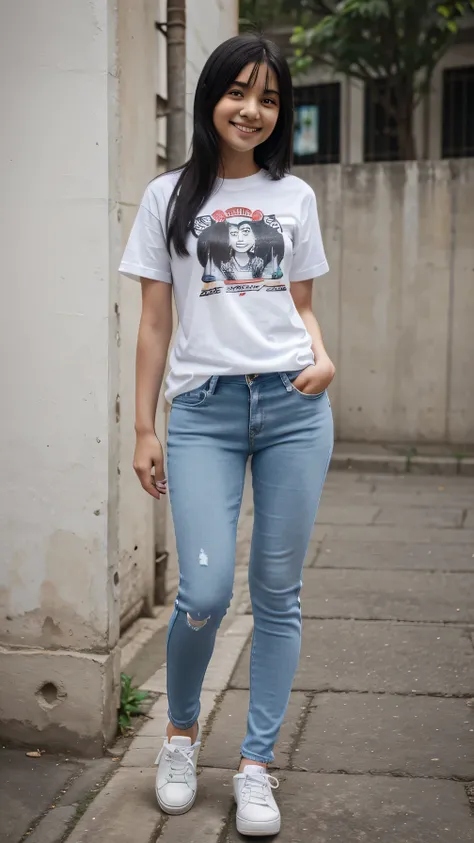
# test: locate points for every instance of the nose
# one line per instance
(250, 108)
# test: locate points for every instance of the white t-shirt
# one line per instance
(236, 313)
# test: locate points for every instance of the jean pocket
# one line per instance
(289, 377)
(194, 398)
(310, 395)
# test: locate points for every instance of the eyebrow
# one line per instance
(246, 85)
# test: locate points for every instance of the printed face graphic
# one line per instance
(240, 251)
(241, 237)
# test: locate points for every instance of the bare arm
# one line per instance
(154, 335)
(324, 370)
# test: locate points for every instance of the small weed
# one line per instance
(130, 702)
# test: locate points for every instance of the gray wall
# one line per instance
(397, 309)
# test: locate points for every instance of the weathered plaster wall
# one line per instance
(398, 305)
(55, 232)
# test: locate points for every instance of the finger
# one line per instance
(147, 481)
(160, 482)
(300, 383)
(150, 487)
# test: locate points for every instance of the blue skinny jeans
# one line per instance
(213, 430)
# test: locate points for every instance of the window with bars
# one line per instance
(380, 127)
(317, 124)
(458, 112)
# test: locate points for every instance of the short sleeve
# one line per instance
(146, 253)
(309, 259)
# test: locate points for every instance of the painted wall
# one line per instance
(397, 307)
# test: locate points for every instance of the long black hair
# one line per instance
(199, 174)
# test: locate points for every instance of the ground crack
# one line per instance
(300, 727)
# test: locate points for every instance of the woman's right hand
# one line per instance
(149, 455)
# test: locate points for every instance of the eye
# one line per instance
(268, 101)
(238, 93)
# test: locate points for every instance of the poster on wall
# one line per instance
(306, 138)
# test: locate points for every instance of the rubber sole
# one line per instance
(172, 809)
(258, 829)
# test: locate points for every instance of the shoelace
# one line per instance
(256, 787)
(179, 759)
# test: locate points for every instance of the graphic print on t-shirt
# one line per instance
(240, 251)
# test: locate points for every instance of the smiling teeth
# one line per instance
(244, 128)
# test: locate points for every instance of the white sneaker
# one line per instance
(176, 783)
(257, 811)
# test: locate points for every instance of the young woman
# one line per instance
(248, 374)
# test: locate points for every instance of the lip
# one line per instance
(246, 130)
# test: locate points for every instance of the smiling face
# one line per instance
(247, 113)
(241, 237)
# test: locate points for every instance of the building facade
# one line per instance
(346, 125)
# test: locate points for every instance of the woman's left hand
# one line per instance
(316, 378)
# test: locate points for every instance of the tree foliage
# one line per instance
(397, 40)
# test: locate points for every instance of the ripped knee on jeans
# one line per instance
(196, 624)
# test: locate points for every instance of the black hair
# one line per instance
(198, 176)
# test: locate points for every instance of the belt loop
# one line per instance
(212, 384)
(286, 381)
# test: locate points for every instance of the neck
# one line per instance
(237, 165)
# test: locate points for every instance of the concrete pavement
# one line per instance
(379, 735)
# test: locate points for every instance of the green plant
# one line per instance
(130, 701)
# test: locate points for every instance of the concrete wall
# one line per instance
(142, 56)
(75, 154)
(397, 308)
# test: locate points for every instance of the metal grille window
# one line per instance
(317, 124)
(458, 112)
(380, 127)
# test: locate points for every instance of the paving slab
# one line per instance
(410, 481)
(370, 809)
(469, 522)
(431, 498)
(379, 656)
(125, 809)
(388, 533)
(420, 516)
(29, 786)
(393, 556)
(91, 779)
(431, 494)
(53, 826)
(222, 746)
(349, 514)
(362, 733)
(386, 595)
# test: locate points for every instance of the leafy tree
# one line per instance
(398, 40)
